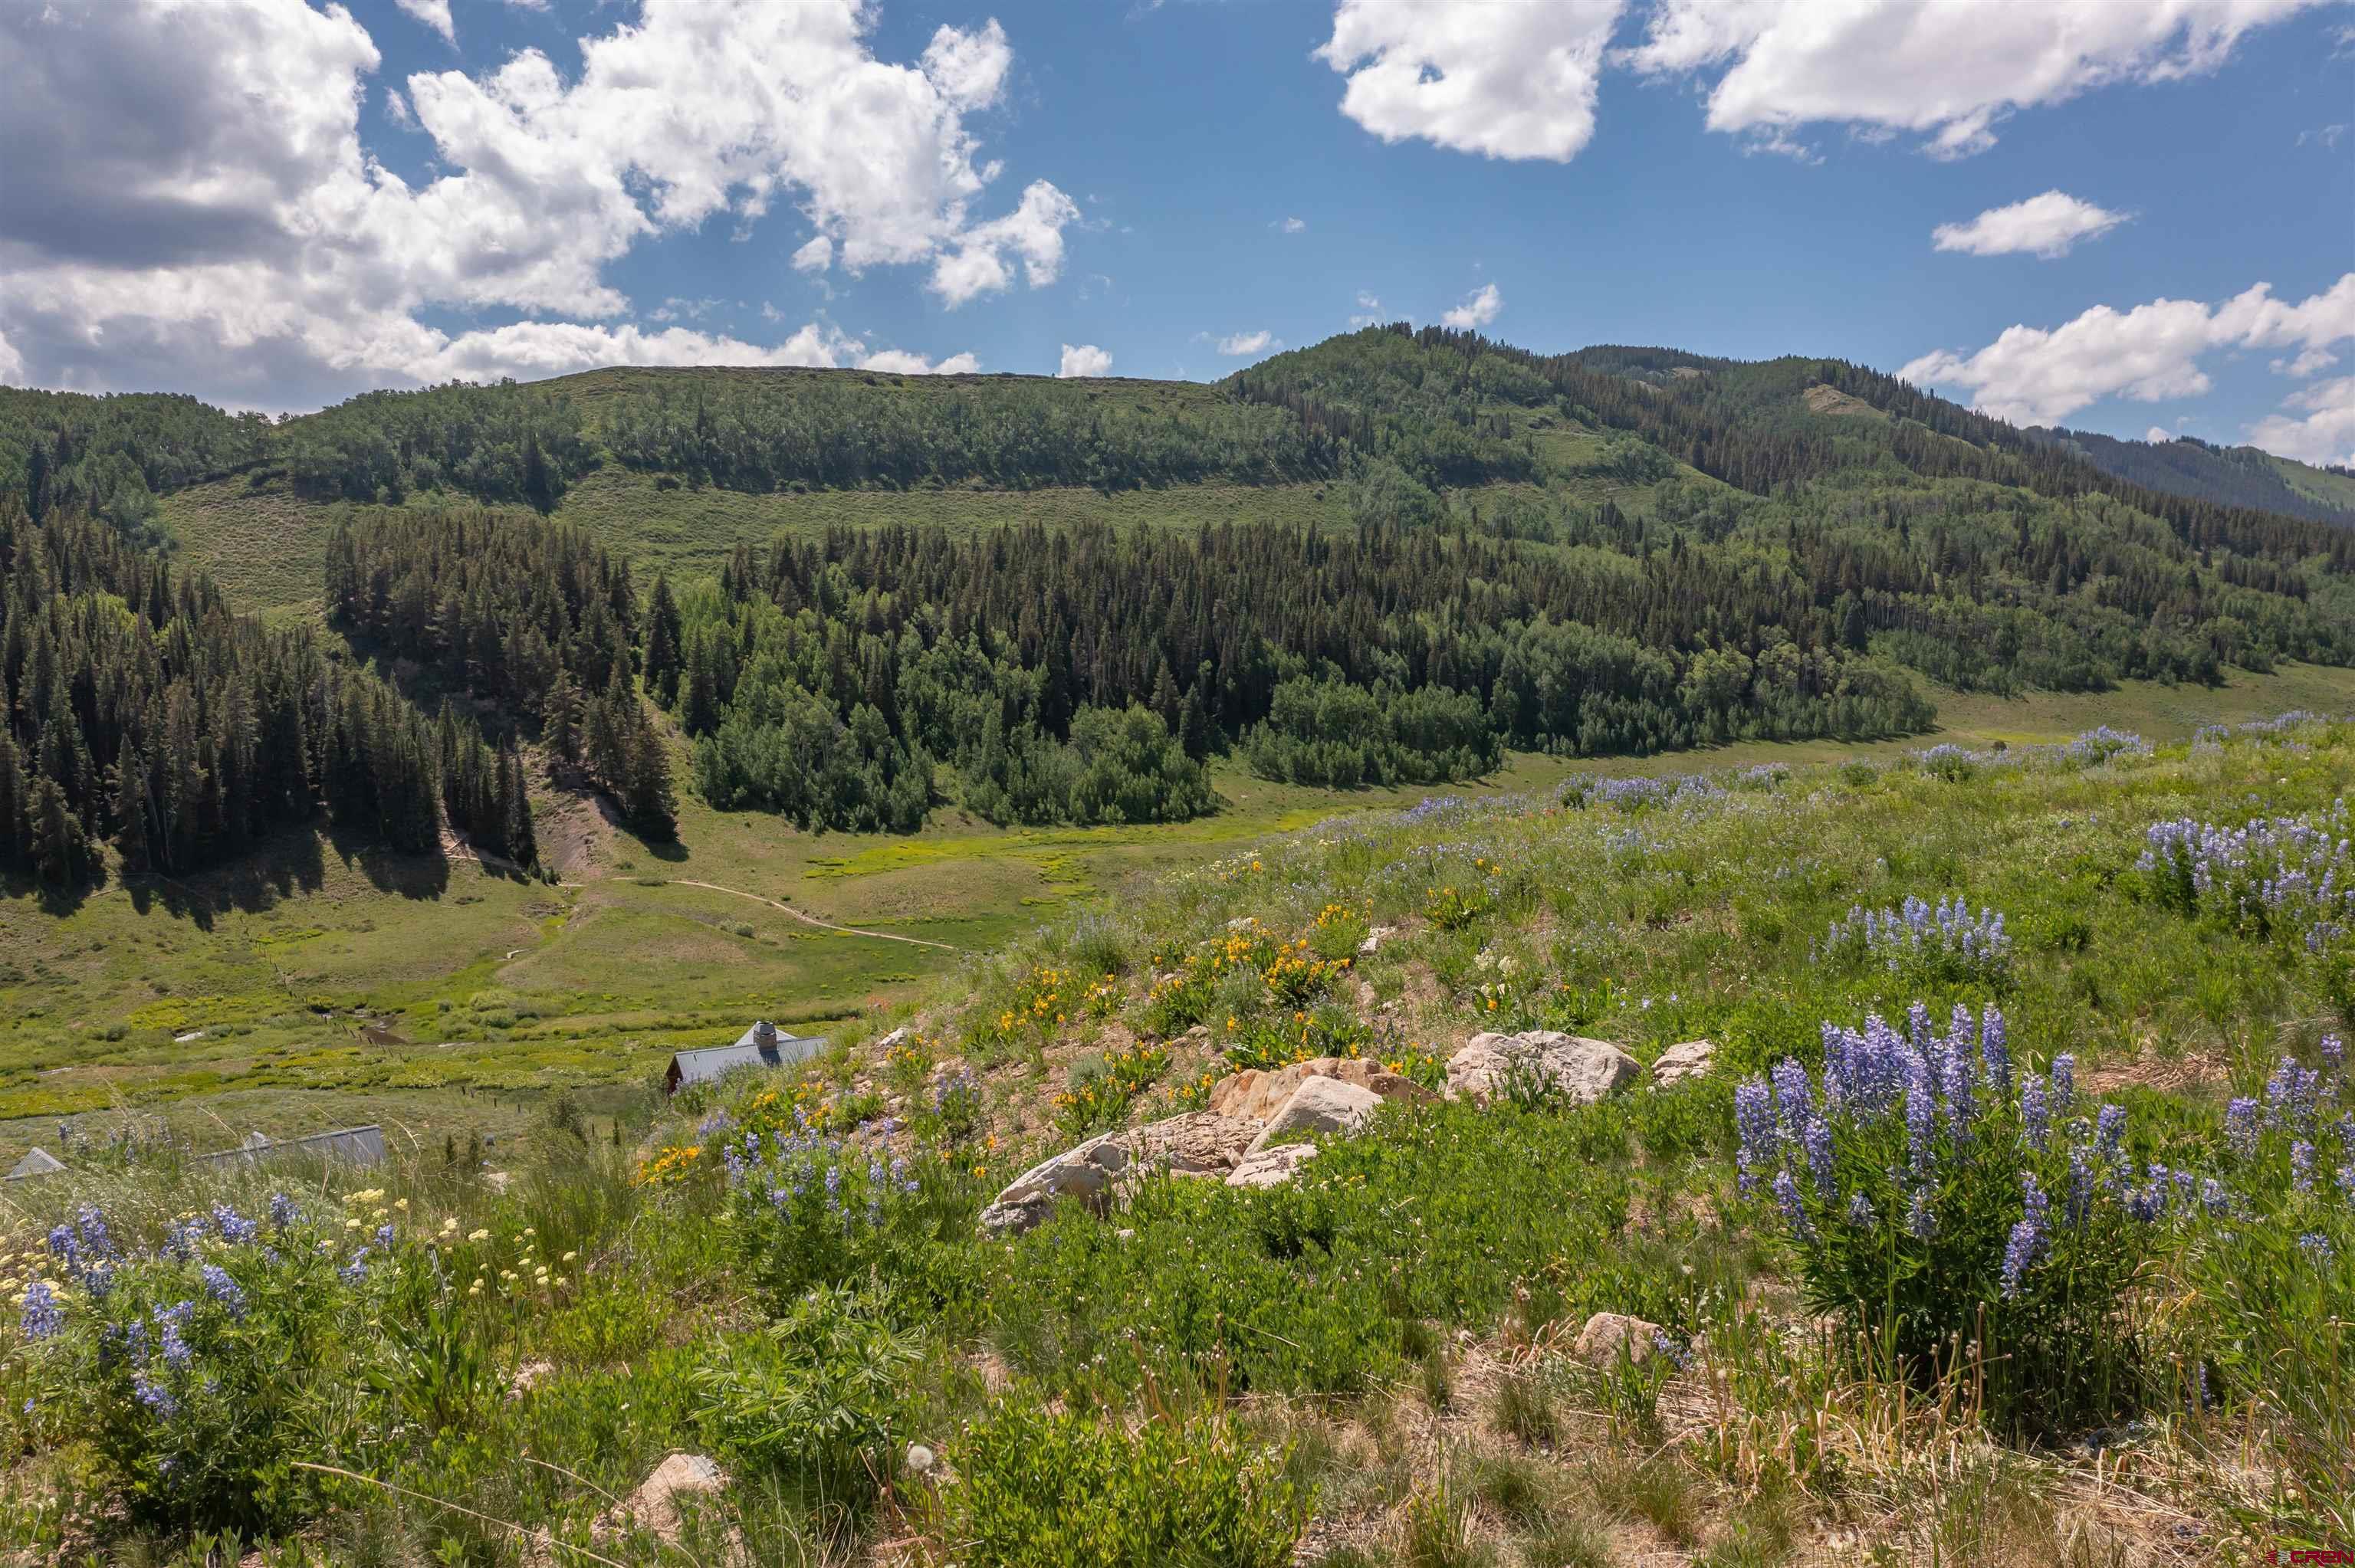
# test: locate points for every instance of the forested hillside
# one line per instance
(2232, 476)
(1619, 550)
(136, 708)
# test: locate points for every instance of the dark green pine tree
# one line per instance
(131, 811)
(662, 635)
(12, 801)
(58, 847)
(522, 846)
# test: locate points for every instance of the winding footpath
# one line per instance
(814, 920)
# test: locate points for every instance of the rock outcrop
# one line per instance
(1199, 1143)
(1580, 1070)
(1258, 1095)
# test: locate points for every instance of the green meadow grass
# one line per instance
(1376, 1357)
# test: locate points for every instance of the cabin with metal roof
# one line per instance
(762, 1045)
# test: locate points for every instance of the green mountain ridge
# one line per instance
(2239, 476)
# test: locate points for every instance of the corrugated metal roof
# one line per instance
(752, 1049)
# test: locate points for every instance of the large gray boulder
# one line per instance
(1085, 1172)
(1582, 1070)
(1319, 1105)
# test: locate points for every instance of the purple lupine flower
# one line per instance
(2289, 1096)
(2316, 1245)
(2081, 1187)
(64, 1245)
(2111, 1127)
(356, 1270)
(168, 1342)
(2301, 1166)
(155, 1397)
(234, 1227)
(2064, 1082)
(2213, 1198)
(1921, 1113)
(1921, 1222)
(225, 1290)
(283, 1213)
(1819, 1143)
(2027, 1240)
(2241, 1126)
(1754, 1123)
(1860, 1211)
(42, 1317)
(2334, 1057)
(1787, 1195)
(2035, 1112)
(90, 1225)
(1995, 1050)
(1795, 1102)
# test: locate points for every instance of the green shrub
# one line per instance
(1039, 1490)
(818, 1398)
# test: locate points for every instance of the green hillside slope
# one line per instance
(2236, 476)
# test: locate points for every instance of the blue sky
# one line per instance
(307, 202)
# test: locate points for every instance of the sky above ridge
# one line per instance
(2130, 215)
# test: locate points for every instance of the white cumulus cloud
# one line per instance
(2039, 376)
(1293, 226)
(1946, 69)
(2158, 433)
(434, 13)
(2312, 361)
(1506, 78)
(1243, 343)
(2326, 434)
(215, 222)
(1479, 308)
(2046, 226)
(1368, 309)
(1083, 359)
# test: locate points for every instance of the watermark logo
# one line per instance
(2311, 1557)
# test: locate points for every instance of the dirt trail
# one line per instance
(814, 920)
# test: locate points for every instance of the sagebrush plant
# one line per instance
(1964, 1218)
(1179, 1488)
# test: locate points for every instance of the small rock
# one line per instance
(897, 1037)
(1609, 1335)
(1198, 1035)
(1319, 1106)
(920, 1459)
(1272, 1167)
(1374, 938)
(655, 1505)
(1678, 1063)
(1582, 1070)
(527, 1377)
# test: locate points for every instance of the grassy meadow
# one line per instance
(2142, 1361)
(498, 989)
